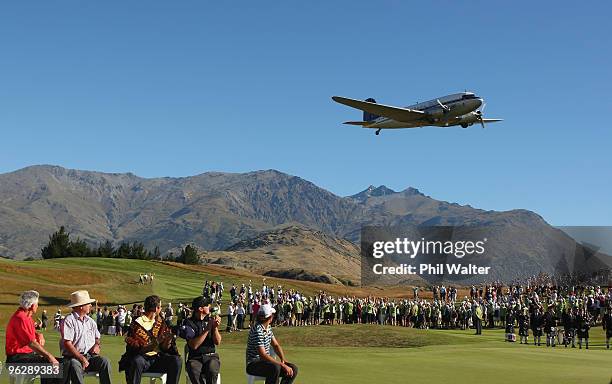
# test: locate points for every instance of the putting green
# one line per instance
(467, 359)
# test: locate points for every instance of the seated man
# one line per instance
(202, 333)
(23, 344)
(150, 346)
(259, 362)
(80, 342)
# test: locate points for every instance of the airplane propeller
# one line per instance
(446, 108)
(479, 115)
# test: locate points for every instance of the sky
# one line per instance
(162, 88)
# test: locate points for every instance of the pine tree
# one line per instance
(138, 251)
(156, 255)
(189, 255)
(78, 248)
(123, 252)
(58, 246)
(106, 250)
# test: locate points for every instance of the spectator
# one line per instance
(150, 346)
(258, 359)
(23, 343)
(202, 334)
(80, 341)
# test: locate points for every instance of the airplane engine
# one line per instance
(467, 120)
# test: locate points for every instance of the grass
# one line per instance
(324, 354)
(462, 358)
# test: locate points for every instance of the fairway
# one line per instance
(324, 354)
(463, 360)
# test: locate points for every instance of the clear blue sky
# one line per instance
(163, 88)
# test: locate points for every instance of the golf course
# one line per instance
(324, 354)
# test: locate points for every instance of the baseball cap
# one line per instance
(266, 310)
(200, 301)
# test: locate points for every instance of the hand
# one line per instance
(52, 360)
(40, 339)
(287, 369)
(84, 362)
(217, 321)
(95, 350)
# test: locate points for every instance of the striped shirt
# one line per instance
(258, 337)
(81, 332)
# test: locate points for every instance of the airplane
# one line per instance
(447, 111)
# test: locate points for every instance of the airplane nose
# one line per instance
(479, 102)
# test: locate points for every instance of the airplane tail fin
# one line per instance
(367, 116)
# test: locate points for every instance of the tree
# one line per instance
(189, 255)
(58, 246)
(78, 248)
(123, 252)
(156, 255)
(138, 251)
(105, 250)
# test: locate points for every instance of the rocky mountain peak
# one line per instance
(373, 191)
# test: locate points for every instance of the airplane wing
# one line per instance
(492, 120)
(396, 113)
(357, 122)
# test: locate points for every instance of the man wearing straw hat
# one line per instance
(80, 343)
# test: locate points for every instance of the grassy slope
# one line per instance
(338, 354)
(114, 281)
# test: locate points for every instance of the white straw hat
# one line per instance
(79, 298)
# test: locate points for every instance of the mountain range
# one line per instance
(224, 211)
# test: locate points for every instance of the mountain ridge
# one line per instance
(215, 210)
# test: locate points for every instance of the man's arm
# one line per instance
(278, 350)
(95, 350)
(41, 351)
(280, 354)
(72, 351)
(198, 340)
(216, 335)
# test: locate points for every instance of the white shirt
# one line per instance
(81, 332)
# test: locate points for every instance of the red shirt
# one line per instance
(19, 333)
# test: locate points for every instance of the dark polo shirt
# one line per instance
(198, 327)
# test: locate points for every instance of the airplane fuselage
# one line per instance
(451, 110)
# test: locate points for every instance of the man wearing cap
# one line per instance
(23, 343)
(150, 346)
(258, 359)
(80, 341)
(201, 331)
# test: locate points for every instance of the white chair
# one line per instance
(187, 380)
(22, 379)
(251, 379)
(91, 374)
(154, 376)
